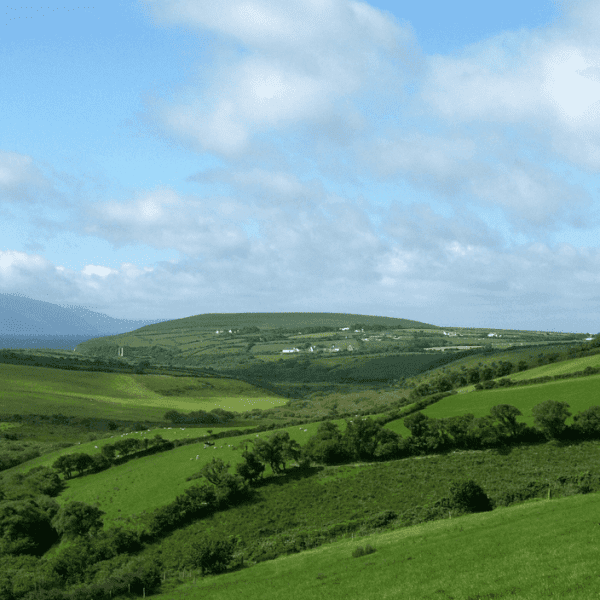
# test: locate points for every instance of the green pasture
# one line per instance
(559, 368)
(539, 549)
(95, 446)
(5, 426)
(148, 482)
(580, 393)
(41, 390)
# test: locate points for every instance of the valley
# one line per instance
(198, 474)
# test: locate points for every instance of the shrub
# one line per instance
(360, 551)
(468, 496)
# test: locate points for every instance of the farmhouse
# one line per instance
(288, 350)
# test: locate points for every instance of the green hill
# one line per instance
(542, 549)
(45, 391)
(468, 557)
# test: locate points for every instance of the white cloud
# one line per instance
(20, 179)
(301, 61)
(97, 270)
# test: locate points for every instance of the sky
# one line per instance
(426, 160)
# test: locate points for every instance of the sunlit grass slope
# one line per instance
(149, 482)
(540, 549)
(41, 390)
(578, 393)
(560, 368)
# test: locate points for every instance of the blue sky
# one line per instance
(435, 161)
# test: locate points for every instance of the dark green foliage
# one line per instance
(507, 416)
(65, 465)
(212, 555)
(26, 527)
(382, 519)
(77, 519)
(360, 551)
(277, 450)
(251, 469)
(43, 480)
(71, 561)
(473, 376)
(360, 438)
(417, 424)
(587, 422)
(468, 496)
(550, 416)
(215, 471)
(460, 429)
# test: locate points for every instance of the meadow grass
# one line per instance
(148, 482)
(559, 368)
(579, 393)
(42, 390)
(539, 549)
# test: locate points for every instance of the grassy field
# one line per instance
(41, 390)
(148, 482)
(579, 393)
(540, 549)
(561, 368)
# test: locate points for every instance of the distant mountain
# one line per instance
(22, 316)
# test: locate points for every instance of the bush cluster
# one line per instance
(360, 551)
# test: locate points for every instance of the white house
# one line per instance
(288, 350)
(344, 328)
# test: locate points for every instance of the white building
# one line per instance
(288, 350)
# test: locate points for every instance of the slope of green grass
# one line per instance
(41, 390)
(560, 368)
(148, 482)
(580, 393)
(541, 549)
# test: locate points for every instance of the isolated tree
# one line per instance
(550, 416)
(468, 496)
(587, 422)
(77, 519)
(507, 416)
